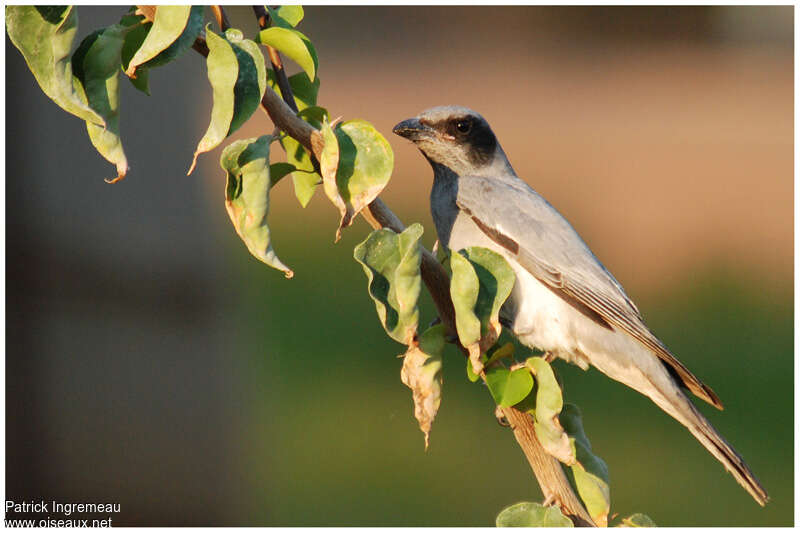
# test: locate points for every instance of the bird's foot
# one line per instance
(549, 357)
(501, 418)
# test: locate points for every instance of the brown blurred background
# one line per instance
(152, 362)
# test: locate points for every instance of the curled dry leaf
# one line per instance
(421, 365)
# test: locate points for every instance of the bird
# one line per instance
(564, 301)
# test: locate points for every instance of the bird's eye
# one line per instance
(464, 126)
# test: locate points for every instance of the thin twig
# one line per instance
(222, 18)
(262, 15)
(546, 468)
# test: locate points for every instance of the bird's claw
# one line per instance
(501, 418)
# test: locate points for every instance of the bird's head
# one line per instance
(455, 137)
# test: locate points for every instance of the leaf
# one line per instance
(589, 473)
(96, 69)
(638, 520)
(508, 387)
(530, 514)
(471, 375)
(391, 263)
(548, 407)
(421, 365)
(506, 350)
(247, 196)
(133, 41)
(286, 16)
(277, 171)
(314, 114)
(364, 166)
(174, 31)
(305, 179)
(304, 91)
(238, 78)
(44, 36)
(481, 282)
(294, 45)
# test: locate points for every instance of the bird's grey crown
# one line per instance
(446, 112)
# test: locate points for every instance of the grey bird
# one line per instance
(564, 300)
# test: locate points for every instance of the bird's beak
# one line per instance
(412, 129)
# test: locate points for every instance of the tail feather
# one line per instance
(725, 454)
(681, 408)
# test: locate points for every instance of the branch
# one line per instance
(546, 468)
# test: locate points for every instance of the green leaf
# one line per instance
(508, 387)
(305, 179)
(391, 263)
(174, 31)
(96, 69)
(238, 77)
(481, 282)
(421, 365)
(294, 45)
(314, 114)
(530, 514)
(638, 520)
(247, 196)
(305, 96)
(548, 407)
(589, 473)
(363, 168)
(286, 16)
(44, 36)
(304, 90)
(133, 41)
(471, 375)
(277, 171)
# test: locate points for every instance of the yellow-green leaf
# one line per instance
(508, 387)
(531, 514)
(589, 472)
(549, 403)
(481, 283)
(294, 45)
(391, 263)
(246, 163)
(286, 16)
(238, 77)
(364, 166)
(174, 30)
(44, 36)
(638, 520)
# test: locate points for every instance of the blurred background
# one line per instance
(152, 362)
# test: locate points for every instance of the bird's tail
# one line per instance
(682, 409)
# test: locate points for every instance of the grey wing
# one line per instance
(516, 217)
